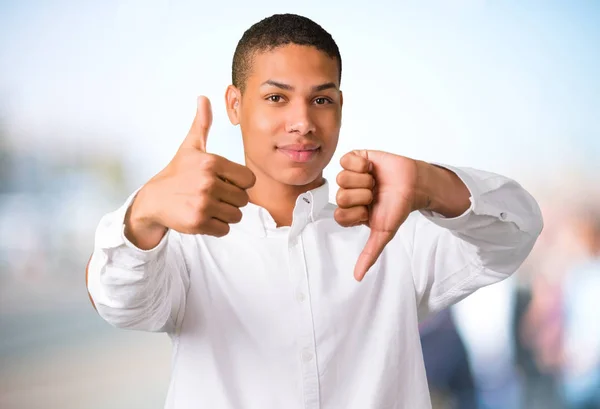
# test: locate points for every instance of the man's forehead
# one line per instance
(317, 87)
(295, 66)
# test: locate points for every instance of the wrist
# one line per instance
(423, 199)
(141, 225)
(441, 191)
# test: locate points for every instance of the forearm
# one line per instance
(501, 222)
(128, 291)
(131, 287)
(485, 243)
(441, 191)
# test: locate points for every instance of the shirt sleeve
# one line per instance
(133, 288)
(453, 257)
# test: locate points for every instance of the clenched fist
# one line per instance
(380, 189)
(197, 193)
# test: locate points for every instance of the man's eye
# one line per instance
(322, 101)
(274, 98)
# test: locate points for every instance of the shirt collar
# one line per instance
(257, 220)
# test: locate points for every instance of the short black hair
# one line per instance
(276, 31)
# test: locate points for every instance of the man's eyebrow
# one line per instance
(281, 85)
(323, 87)
(287, 87)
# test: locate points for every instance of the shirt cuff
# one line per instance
(111, 234)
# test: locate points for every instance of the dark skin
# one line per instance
(290, 117)
(291, 96)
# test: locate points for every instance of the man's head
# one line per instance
(285, 96)
(276, 31)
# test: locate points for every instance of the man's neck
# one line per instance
(277, 198)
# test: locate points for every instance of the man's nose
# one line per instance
(300, 120)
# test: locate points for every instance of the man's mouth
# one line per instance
(300, 152)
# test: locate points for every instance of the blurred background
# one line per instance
(96, 96)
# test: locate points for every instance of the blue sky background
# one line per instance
(510, 86)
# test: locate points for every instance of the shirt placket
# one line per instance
(306, 335)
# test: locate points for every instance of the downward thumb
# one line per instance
(371, 252)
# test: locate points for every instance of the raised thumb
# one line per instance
(198, 134)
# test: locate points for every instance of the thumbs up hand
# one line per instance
(196, 193)
(380, 189)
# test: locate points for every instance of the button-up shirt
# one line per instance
(271, 317)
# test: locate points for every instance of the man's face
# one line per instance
(290, 114)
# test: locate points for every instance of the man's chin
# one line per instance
(298, 177)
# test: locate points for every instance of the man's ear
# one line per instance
(341, 99)
(233, 101)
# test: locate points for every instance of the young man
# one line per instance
(250, 270)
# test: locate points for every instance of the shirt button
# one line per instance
(306, 199)
(307, 356)
(300, 297)
(503, 216)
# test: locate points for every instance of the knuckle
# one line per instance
(344, 219)
(201, 204)
(251, 178)
(370, 182)
(364, 165)
(341, 197)
(196, 220)
(222, 231)
(364, 213)
(349, 161)
(344, 161)
(340, 216)
(355, 163)
(237, 216)
(342, 178)
(245, 199)
(207, 184)
(208, 162)
(247, 179)
(202, 185)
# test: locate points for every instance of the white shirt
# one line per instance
(271, 318)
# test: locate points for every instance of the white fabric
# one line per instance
(272, 318)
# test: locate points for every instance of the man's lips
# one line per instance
(299, 147)
(299, 152)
